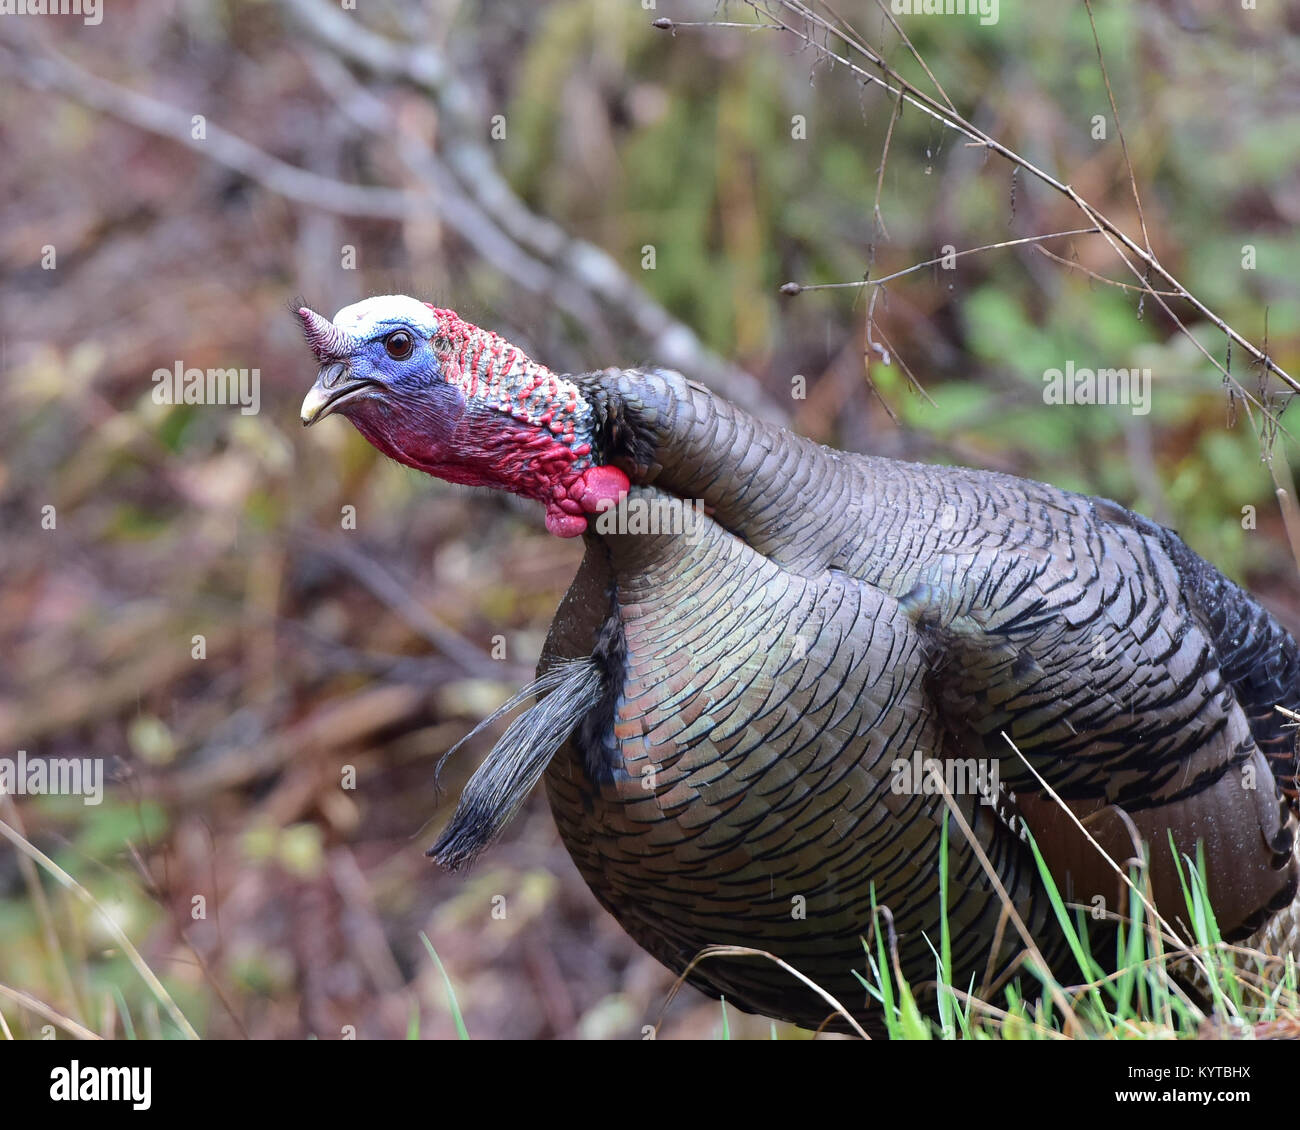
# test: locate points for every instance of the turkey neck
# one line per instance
(777, 491)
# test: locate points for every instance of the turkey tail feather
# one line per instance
(518, 760)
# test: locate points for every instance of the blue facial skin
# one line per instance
(404, 406)
(372, 362)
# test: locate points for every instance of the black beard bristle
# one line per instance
(501, 784)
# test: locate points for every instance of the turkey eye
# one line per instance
(399, 344)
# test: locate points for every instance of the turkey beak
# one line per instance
(334, 385)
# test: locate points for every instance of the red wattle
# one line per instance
(562, 524)
(594, 490)
(599, 488)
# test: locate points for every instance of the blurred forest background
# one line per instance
(602, 192)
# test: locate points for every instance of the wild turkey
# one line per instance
(727, 711)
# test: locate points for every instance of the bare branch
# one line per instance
(897, 85)
(576, 276)
(422, 66)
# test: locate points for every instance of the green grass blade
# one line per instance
(461, 1031)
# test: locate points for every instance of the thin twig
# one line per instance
(897, 86)
(799, 288)
(1073, 266)
(1119, 129)
(748, 951)
(907, 42)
